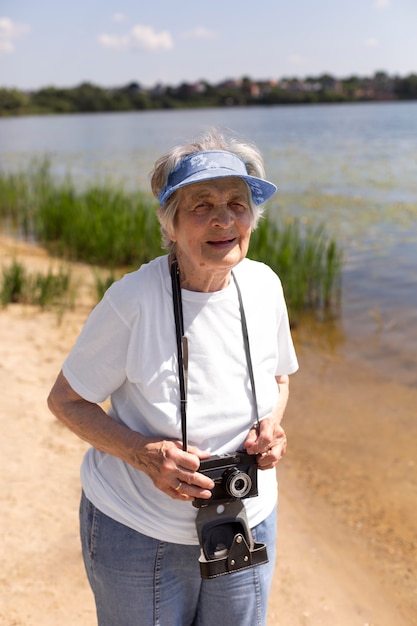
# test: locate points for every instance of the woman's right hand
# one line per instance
(172, 470)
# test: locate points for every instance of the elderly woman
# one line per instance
(194, 351)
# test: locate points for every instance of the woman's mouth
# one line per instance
(224, 243)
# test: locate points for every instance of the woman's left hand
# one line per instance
(268, 440)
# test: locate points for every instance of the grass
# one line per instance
(13, 286)
(308, 262)
(44, 290)
(107, 226)
(102, 225)
(102, 283)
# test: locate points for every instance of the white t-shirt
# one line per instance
(127, 350)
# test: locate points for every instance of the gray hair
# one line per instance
(210, 140)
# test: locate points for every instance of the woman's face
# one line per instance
(212, 226)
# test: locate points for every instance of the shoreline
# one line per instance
(352, 457)
(347, 542)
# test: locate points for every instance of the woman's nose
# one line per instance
(222, 216)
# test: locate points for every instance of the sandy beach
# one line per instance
(347, 548)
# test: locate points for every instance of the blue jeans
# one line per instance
(140, 581)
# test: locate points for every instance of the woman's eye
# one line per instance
(237, 207)
(202, 206)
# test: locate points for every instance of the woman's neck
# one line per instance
(201, 279)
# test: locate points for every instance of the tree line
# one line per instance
(88, 97)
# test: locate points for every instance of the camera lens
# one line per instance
(238, 484)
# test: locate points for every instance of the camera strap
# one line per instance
(227, 524)
(182, 347)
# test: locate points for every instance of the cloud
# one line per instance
(372, 42)
(139, 38)
(381, 4)
(200, 33)
(119, 17)
(9, 33)
(297, 60)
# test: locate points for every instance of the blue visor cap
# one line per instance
(201, 166)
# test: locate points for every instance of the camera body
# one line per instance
(235, 477)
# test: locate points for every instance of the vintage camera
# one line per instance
(226, 541)
(235, 477)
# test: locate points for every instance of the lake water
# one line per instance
(353, 167)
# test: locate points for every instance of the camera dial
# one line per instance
(238, 484)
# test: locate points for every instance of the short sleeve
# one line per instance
(96, 366)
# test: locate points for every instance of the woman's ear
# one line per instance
(168, 233)
(171, 235)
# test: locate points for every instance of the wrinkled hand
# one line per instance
(172, 470)
(269, 441)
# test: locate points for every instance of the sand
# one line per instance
(348, 485)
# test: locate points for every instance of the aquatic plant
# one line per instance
(107, 226)
(13, 283)
(44, 290)
(103, 282)
(308, 262)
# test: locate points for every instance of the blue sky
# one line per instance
(113, 42)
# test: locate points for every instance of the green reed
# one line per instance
(20, 195)
(101, 225)
(102, 283)
(308, 262)
(44, 290)
(110, 227)
(13, 285)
